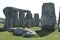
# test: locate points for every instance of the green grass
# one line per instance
(42, 35)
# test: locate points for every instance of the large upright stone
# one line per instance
(25, 21)
(16, 18)
(28, 15)
(48, 18)
(33, 22)
(29, 19)
(59, 22)
(22, 18)
(8, 11)
(36, 19)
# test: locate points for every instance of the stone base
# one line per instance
(59, 28)
(48, 28)
(2, 29)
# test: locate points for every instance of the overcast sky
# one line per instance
(34, 5)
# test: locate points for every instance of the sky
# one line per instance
(35, 6)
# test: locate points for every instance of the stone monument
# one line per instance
(48, 18)
(8, 12)
(22, 18)
(36, 19)
(59, 22)
(29, 19)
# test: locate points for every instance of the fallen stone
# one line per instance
(18, 31)
(29, 33)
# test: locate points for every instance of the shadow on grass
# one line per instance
(43, 33)
(2, 29)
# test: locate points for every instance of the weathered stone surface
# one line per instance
(48, 18)
(33, 22)
(16, 18)
(23, 32)
(18, 31)
(12, 29)
(59, 27)
(22, 18)
(36, 19)
(28, 19)
(8, 12)
(29, 34)
(59, 22)
(25, 21)
(28, 15)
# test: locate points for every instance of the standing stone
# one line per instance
(33, 24)
(59, 22)
(16, 19)
(48, 18)
(29, 19)
(8, 11)
(22, 18)
(36, 19)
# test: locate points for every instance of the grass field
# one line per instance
(42, 35)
